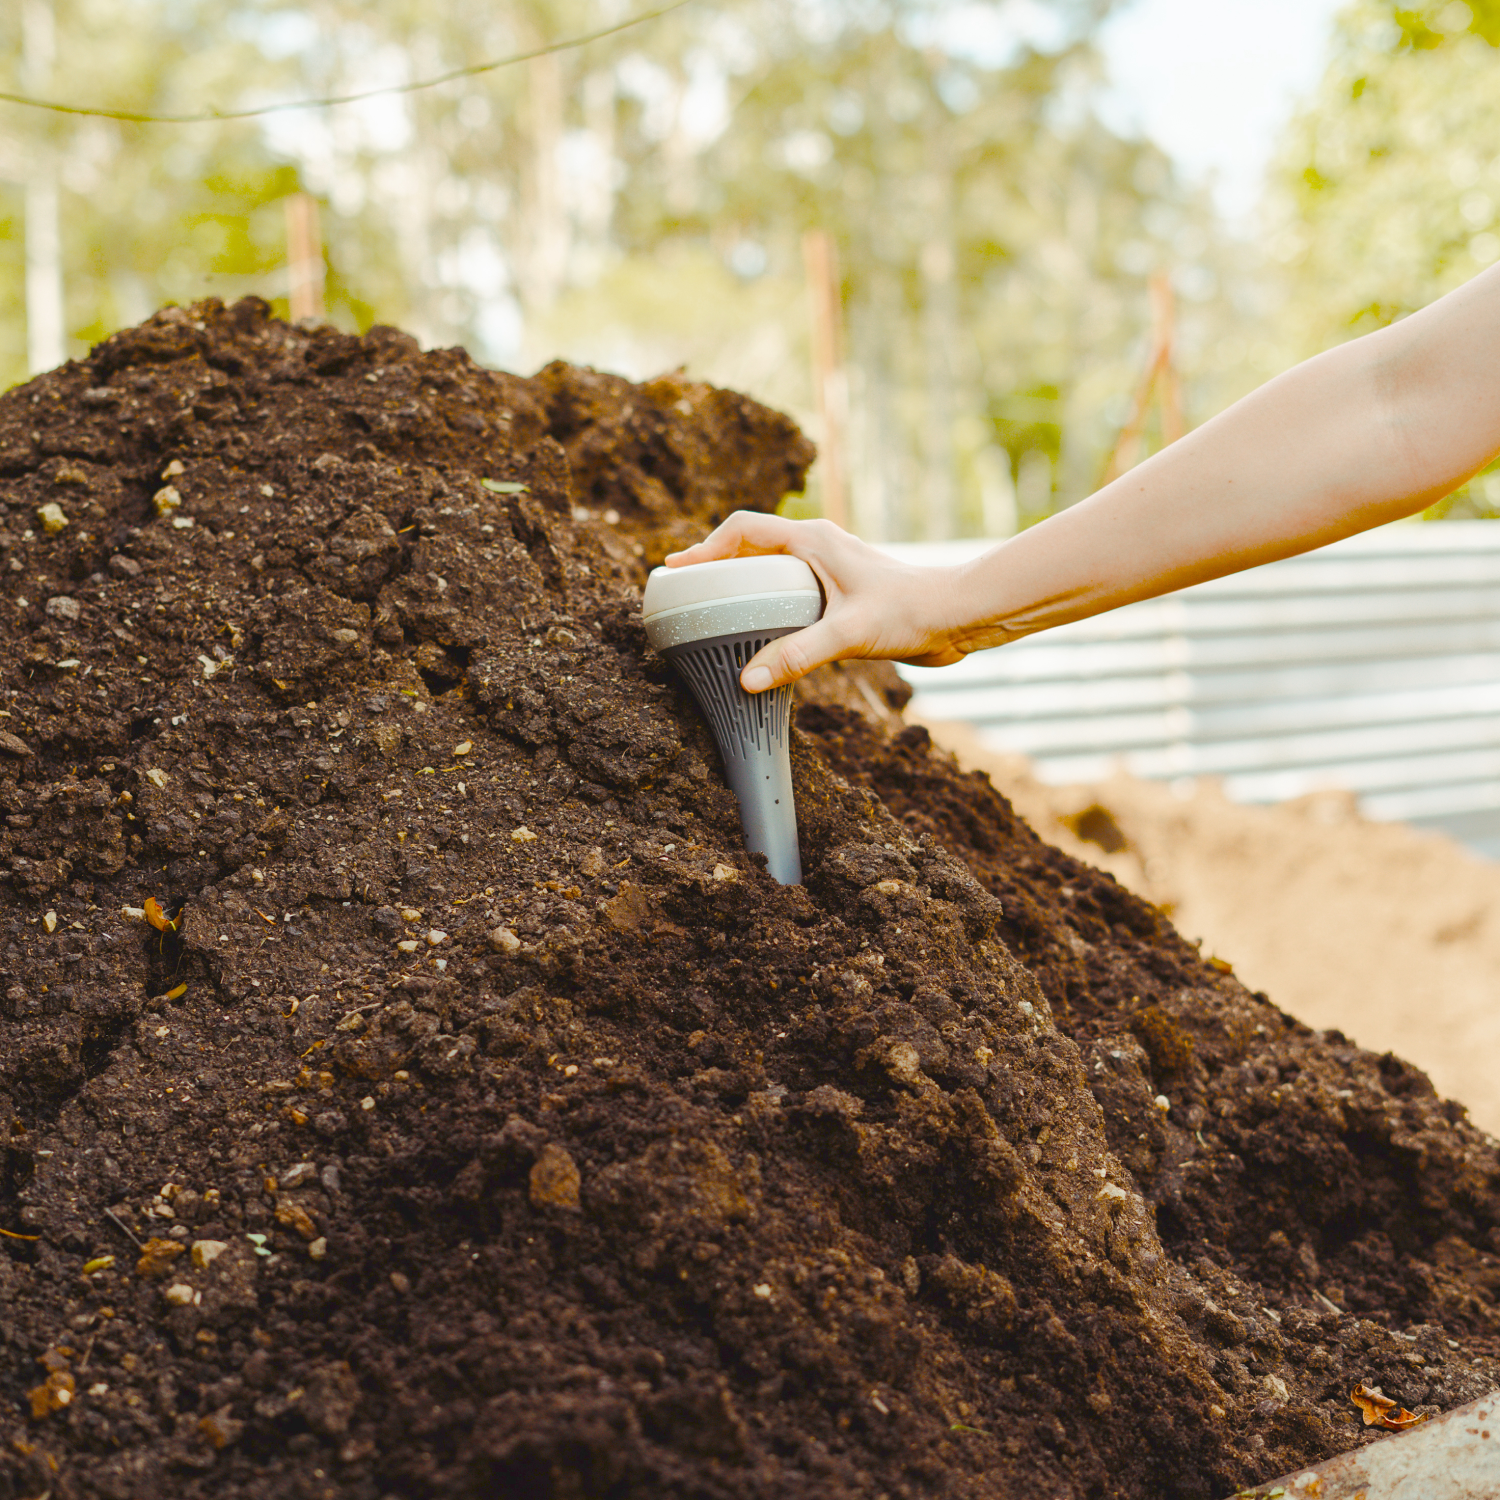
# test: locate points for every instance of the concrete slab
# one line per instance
(1453, 1457)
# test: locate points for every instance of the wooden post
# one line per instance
(1164, 325)
(46, 343)
(829, 384)
(304, 257)
(1159, 377)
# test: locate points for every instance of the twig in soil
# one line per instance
(264, 918)
(124, 1229)
(10, 1234)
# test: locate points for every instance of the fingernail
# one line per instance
(755, 679)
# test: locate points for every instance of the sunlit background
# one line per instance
(999, 183)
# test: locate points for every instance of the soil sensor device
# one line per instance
(708, 620)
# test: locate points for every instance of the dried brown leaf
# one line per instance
(1380, 1411)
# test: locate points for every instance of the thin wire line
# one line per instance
(208, 116)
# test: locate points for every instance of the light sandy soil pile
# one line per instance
(1387, 934)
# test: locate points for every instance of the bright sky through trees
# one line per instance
(1213, 82)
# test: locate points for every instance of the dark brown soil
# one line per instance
(489, 1124)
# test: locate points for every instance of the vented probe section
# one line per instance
(742, 723)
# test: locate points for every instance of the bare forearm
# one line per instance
(1368, 432)
(1363, 434)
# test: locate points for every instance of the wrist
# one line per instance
(978, 612)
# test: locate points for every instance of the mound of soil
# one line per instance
(475, 1118)
(1386, 931)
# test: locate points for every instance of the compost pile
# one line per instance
(411, 1088)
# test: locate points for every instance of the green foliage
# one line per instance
(995, 240)
(1390, 180)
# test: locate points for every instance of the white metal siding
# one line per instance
(1372, 665)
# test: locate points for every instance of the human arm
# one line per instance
(1370, 431)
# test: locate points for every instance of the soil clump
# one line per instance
(474, 1118)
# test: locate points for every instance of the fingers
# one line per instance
(792, 656)
(748, 532)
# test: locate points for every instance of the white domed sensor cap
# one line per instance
(708, 620)
(727, 597)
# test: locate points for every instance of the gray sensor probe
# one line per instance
(708, 620)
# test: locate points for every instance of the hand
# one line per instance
(875, 607)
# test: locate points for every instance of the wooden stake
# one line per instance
(1159, 377)
(829, 382)
(304, 257)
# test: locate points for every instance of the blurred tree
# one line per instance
(642, 200)
(147, 213)
(995, 239)
(1390, 180)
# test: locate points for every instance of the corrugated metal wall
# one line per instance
(1372, 665)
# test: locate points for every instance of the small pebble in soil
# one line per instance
(503, 940)
(49, 921)
(523, 835)
(555, 1179)
(52, 517)
(52, 1395)
(157, 1256)
(206, 1252)
(904, 1062)
(180, 1294)
(220, 1429)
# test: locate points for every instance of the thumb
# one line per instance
(791, 656)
